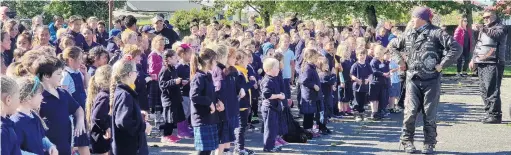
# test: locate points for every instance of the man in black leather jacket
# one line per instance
(425, 50)
(489, 58)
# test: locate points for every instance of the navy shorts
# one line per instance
(346, 93)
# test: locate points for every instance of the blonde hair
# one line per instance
(29, 87)
(361, 41)
(72, 52)
(322, 64)
(344, 52)
(130, 49)
(66, 41)
(270, 63)
(157, 42)
(126, 35)
(100, 81)
(120, 71)
(9, 87)
(379, 51)
(60, 32)
(221, 52)
(309, 56)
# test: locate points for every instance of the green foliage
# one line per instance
(28, 9)
(503, 8)
(181, 19)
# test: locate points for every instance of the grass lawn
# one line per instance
(452, 71)
(142, 22)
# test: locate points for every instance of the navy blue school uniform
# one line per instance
(92, 70)
(128, 127)
(55, 112)
(308, 79)
(30, 132)
(171, 99)
(283, 128)
(141, 84)
(254, 92)
(227, 89)
(100, 122)
(329, 58)
(79, 41)
(87, 47)
(202, 95)
(183, 71)
(362, 72)
(257, 64)
(111, 47)
(346, 93)
(270, 109)
(10, 143)
(245, 102)
(378, 90)
(327, 81)
(101, 38)
(80, 96)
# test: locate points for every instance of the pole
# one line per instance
(110, 16)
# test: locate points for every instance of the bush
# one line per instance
(181, 19)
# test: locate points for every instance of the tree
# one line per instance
(182, 18)
(265, 8)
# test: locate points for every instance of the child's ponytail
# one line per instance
(98, 82)
(194, 62)
(120, 70)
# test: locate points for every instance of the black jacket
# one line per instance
(171, 93)
(423, 49)
(491, 44)
(170, 37)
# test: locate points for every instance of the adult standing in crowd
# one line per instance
(426, 50)
(489, 58)
(170, 35)
(463, 35)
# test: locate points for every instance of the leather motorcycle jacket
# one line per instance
(423, 49)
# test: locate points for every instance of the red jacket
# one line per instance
(459, 36)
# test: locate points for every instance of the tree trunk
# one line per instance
(266, 18)
(371, 16)
(468, 12)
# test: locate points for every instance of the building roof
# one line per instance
(164, 6)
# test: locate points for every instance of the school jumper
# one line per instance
(227, 88)
(87, 47)
(327, 82)
(205, 128)
(362, 72)
(310, 97)
(31, 133)
(270, 108)
(256, 65)
(10, 143)
(346, 93)
(79, 95)
(101, 121)
(141, 84)
(171, 99)
(155, 62)
(183, 72)
(102, 38)
(283, 128)
(55, 112)
(78, 38)
(128, 127)
(378, 89)
(244, 106)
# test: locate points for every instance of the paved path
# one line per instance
(459, 132)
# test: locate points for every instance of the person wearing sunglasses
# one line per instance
(427, 49)
(463, 35)
(489, 60)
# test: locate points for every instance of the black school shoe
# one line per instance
(428, 149)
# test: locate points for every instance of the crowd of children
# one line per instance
(82, 91)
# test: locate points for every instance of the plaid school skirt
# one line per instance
(206, 137)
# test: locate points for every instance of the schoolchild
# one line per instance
(170, 86)
(309, 79)
(89, 36)
(288, 64)
(395, 85)
(183, 71)
(328, 81)
(346, 84)
(378, 89)
(10, 102)
(128, 127)
(96, 58)
(204, 102)
(283, 128)
(97, 110)
(74, 26)
(74, 80)
(360, 74)
(58, 105)
(29, 126)
(245, 82)
(272, 97)
(256, 65)
(155, 62)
